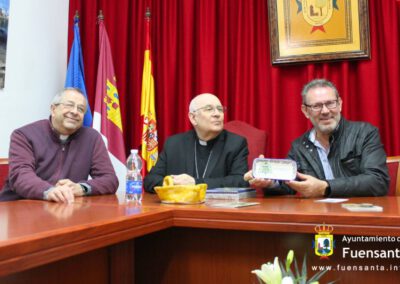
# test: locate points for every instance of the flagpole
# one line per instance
(147, 17)
(147, 14)
(100, 16)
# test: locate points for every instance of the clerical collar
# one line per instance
(208, 143)
(64, 138)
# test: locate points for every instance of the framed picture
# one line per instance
(318, 30)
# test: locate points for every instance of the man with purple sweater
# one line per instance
(52, 159)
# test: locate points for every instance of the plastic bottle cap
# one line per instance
(134, 151)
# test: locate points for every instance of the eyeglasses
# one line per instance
(319, 106)
(211, 109)
(71, 106)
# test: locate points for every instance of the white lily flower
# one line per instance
(270, 273)
(261, 275)
(287, 280)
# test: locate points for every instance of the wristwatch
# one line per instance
(85, 190)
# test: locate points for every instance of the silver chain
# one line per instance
(195, 160)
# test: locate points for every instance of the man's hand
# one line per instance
(183, 179)
(308, 186)
(61, 193)
(76, 187)
(257, 182)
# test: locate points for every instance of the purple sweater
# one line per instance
(38, 159)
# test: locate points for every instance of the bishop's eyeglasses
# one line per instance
(211, 109)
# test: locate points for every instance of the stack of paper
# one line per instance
(362, 207)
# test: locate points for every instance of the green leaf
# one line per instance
(283, 269)
(304, 271)
(296, 270)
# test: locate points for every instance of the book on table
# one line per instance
(233, 193)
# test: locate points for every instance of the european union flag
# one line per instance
(75, 74)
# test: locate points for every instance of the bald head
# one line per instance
(206, 114)
(202, 100)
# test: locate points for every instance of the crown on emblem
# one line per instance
(323, 229)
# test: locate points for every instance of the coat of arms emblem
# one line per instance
(317, 12)
(324, 243)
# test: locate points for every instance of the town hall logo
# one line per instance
(317, 12)
(323, 243)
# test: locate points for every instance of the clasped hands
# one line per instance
(65, 191)
(183, 179)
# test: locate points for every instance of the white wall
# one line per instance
(35, 64)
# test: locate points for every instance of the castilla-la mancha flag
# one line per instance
(147, 107)
(107, 113)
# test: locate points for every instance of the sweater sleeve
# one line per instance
(23, 178)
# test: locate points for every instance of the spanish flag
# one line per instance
(107, 109)
(147, 108)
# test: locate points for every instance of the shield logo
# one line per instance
(323, 245)
(317, 12)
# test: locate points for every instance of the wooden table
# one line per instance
(102, 240)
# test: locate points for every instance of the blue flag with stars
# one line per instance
(75, 73)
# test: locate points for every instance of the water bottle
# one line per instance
(134, 181)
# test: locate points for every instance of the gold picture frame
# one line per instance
(318, 30)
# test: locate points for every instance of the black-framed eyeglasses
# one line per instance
(70, 106)
(319, 106)
(211, 109)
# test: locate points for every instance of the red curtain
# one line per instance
(222, 46)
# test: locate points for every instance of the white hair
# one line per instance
(58, 97)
